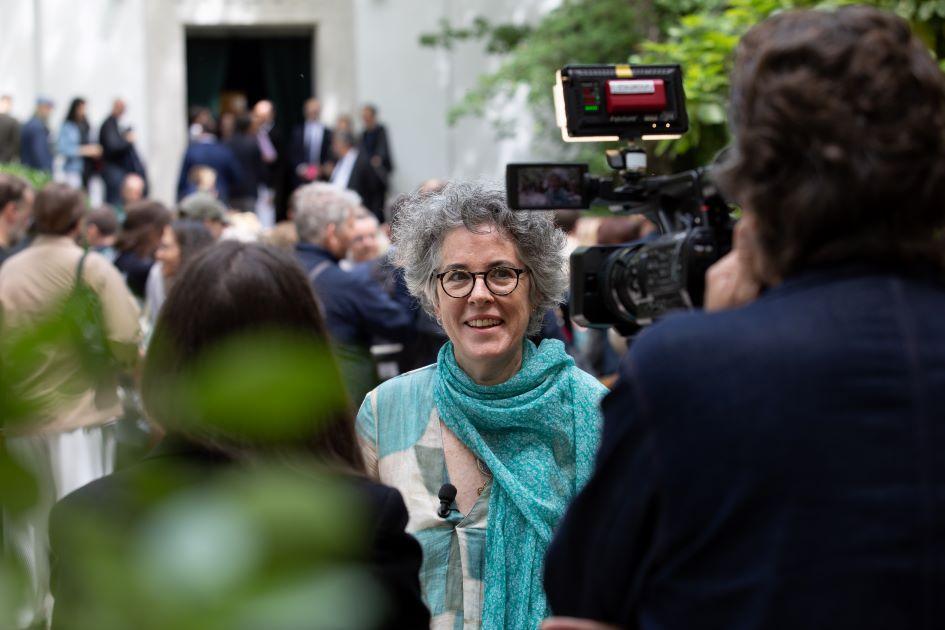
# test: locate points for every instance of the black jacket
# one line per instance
(120, 504)
(245, 149)
(298, 152)
(774, 466)
(374, 142)
(115, 149)
(370, 182)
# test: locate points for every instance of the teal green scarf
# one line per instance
(538, 433)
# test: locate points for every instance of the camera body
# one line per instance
(629, 285)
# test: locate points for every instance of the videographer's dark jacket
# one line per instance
(774, 466)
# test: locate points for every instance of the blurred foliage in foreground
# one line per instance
(270, 543)
(37, 179)
(701, 35)
(266, 548)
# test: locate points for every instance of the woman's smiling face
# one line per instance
(487, 330)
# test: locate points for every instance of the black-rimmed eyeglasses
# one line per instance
(459, 283)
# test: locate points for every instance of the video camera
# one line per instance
(629, 285)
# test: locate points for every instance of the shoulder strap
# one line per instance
(317, 271)
(79, 268)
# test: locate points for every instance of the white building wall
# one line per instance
(415, 86)
(63, 49)
(366, 51)
(18, 73)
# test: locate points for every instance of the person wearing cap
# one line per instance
(206, 208)
(35, 148)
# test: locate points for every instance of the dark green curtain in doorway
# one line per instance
(206, 71)
(287, 64)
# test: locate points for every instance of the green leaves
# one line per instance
(274, 546)
(701, 35)
(265, 386)
(37, 179)
(275, 542)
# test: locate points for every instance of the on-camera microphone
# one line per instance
(447, 495)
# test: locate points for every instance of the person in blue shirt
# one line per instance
(356, 307)
(73, 143)
(35, 150)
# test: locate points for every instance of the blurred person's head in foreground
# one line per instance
(325, 216)
(181, 241)
(6, 104)
(839, 142)
(364, 244)
(58, 211)
(101, 228)
(132, 189)
(229, 291)
(206, 208)
(142, 229)
(16, 208)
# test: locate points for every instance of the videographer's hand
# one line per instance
(735, 279)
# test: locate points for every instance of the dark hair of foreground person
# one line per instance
(839, 150)
(234, 291)
(229, 290)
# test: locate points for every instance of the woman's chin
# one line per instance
(491, 352)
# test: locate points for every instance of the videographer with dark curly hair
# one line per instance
(777, 463)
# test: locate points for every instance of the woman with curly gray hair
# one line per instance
(490, 443)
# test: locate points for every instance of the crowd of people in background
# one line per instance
(336, 230)
(241, 155)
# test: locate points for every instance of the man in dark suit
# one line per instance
(119, 156)
(9, 132)
(776, 464)
(354, 170)
(310, 148)
(245, 149)
(357, 309)
(376, 146)
(374, 139)
(35, 148)
(206, 150)
(272, 148)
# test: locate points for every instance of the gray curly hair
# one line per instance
(422, 221)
